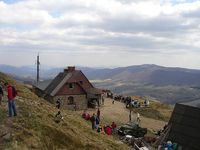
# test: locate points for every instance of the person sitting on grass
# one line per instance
(113, 125)
(100, 129)
(85, 115)
(58, 117)
(113, 101)
(108, 130)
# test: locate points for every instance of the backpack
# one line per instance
(14, 92)
(1, 90)
(97, 120)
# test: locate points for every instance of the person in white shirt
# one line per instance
(138, 118)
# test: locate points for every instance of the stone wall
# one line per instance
(80, 101)
(98, 97)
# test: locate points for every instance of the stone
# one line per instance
(21, 100)
(7, 137)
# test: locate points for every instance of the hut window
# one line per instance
(70, 100)
(81, 82)
(71, 86)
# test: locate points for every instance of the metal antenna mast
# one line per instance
(38, 68)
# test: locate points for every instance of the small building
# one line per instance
(184, 126)
(73, 89)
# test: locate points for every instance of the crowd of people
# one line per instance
(96, 123)
(128, 101)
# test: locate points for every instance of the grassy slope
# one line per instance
(156, 110)
(34, 127)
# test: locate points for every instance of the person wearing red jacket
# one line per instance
(11, 99)
(108, 130)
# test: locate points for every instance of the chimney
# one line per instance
(69, 69)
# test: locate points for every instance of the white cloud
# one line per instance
(88, 31)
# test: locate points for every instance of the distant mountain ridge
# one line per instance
(150, 74)
(168, 84)
(147, 73)
(29, 71)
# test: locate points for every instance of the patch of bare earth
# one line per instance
(120, 114)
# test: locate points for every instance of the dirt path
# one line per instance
(117, 112)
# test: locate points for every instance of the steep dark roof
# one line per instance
(55, 82)
(185, 126)
(195, 103)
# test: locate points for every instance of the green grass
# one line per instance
(150, 113)
(156, 110)
(3, 116)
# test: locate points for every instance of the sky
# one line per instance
(100, 33)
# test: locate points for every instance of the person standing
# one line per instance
(75, 108)
(58, 103)
(147, 103)
(138, 118)
(93, 120)
(12, 93)
(98, 113)
(97, 122)
(1, 94)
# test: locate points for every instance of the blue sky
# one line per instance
(100, 33)
(10, 1)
